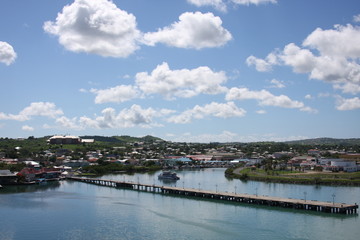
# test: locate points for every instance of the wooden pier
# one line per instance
(328, 207)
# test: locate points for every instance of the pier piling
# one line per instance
(311, 205)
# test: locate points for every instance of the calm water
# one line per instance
(74, 210)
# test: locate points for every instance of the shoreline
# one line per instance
(313, 178)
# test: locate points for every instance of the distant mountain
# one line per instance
(103, 139)
(327, 141)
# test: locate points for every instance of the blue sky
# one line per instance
(181, 70)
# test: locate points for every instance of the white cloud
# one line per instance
(227, 136)
(308, 96)
(27, 128)
(261, 112)
(348, 87)
(116, 94)
(193, 30)
(302, 60)
(342, 41)
(277, 83)
(329, 55)
(45, 109)
(7, 53)
(265, 98)
(67, 123)
(217, 4)
(224, 136)
(356, 18)
(262, 65)
(347, 104)
(182, 83)
(256, 2)
(221, 4)
(324, 95)
(135, 116)
(96, 27)
(220, 110)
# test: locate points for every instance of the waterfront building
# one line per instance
(7, 177)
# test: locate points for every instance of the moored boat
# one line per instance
(168, 175)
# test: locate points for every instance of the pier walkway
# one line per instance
(328, 207)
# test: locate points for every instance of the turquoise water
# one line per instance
(74, 210)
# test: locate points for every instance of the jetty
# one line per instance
(301, 204)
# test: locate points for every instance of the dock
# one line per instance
(301, 204)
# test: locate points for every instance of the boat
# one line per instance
(41, 180)
(168, 175)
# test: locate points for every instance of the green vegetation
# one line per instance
(31, 147)
(12, 167)
(284, 176)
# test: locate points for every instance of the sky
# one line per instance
(182, 70)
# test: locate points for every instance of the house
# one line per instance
(343, 165)
(32, 164)
(9, 161)
(33, 175)
(200, 157)
(7, 177)
(314, 152)
(64, 140)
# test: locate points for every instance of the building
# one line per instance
(64, 140)
(344, 165)
(7, 177)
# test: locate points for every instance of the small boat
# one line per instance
(41, 180)
(167, 175)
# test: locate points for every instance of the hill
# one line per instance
(327, 141)
(122, 139)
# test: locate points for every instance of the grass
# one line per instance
(285, 176)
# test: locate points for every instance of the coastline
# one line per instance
(312, 178)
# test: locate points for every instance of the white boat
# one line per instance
(167, 175)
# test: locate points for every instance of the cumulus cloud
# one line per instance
(224, 136)
(45, 109)
(221, 4)
(256, 2)
(135, 116)
(356, 18)
(7, 53)
(220, 110)
(227, 136)
(342, 41)
(193, 30)
(347, 104)
(116, 94)
(217, 4)
(262, 65)
(265, 98)
(277, 83)
(96, 27)
(328, 55)
(27, 128)
(68, 123)
(182, 83)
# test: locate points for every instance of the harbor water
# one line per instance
(76, 210)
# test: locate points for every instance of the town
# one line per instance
(36, 160)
